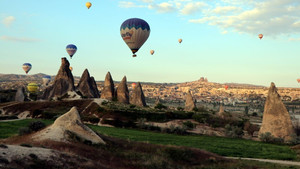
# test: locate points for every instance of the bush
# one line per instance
(189, 124)
(25, 145)
(201, 117)
(24, 131)
(160, 106)
(36, 125)
(266, 137)
(104, 103)
(141, 123)
(269, 138)
(195, 109)
(180, 108)
(132, 106)
(233, 131)
(250, 128)
(254, 114)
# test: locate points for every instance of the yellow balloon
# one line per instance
(88, 5)
(32, 87)
(71, 68)
(179, 40)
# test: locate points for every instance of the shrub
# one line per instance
(160, 106)
(132, 106)
(4, 160)
(25, 145)
(24, 131)
(189, 124)
(266, 137)
(141, 123)
(201, 117)
(233, 131)
(177, 154)
(180, 108)
(104, 103)
(254, 114)
(36, 125)
(33, 156)
(250, 128)
(3, 146)
(195, 109)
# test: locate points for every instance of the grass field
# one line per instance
(219, 145)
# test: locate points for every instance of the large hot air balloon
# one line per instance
(26, 67)
(133, 85)
(260, 36)
(298, 80)
(71, 68)
(71, 49)
(32, 87)
(46, 80)
(179, 40)
(226, 87)
(88, 5)
(135, 32)
(151, 52)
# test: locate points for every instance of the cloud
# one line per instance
(18, 39)
(163, 7)
(127, 4)
(294, 39)
(192, 7)
(226, 9)
(225, 32)
(8, 21)
(274, 17)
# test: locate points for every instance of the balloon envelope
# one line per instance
(133, 85)
(46, 80)
(226, 87)
(260, 36)
(71, 68)
(71, 49)
(26, 67)
(151, 52)
(135, 32)
(179, 40)
(88, 5)
(32, 87)
(298, 80)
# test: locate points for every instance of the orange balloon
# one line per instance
(260, 36)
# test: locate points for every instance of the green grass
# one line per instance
(219, 145)
(11, 128)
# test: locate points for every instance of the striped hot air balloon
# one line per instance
(46, 80)
(135, 32)
(32, 87)
(26, 67)
(71, 49)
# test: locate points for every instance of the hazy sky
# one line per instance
(220, 39)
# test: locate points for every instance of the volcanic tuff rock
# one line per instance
(87, 86)
(122, 91)
(276, 118)
(20, 97)
(189, 102)
(137, 97)
(108, 91)
(67, 126)
(63, 82)
(221, 112)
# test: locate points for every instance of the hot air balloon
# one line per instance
(46, 80)
(71, 68)
(88, 5)
(71, 49)
(298, 80)
(260, 36)
(32, 87)
(135, 32)
(226, 87)
(151, 52)
(26, 67)
(133, 85)
(179, 40)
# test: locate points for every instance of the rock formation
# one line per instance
(276, 118)
(66, 127)
(122, 92)
(189, 102)
(108, 91)
(63, 82)
(221, 112)
(20, 97)
(87, 86)
(137, 97)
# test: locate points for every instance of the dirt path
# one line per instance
(283, 162)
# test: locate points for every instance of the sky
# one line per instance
(220, 39)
